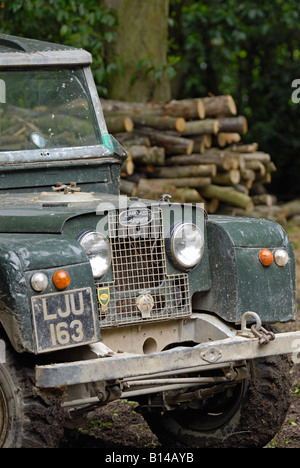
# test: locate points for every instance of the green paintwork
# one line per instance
(239, 281)
(20, 257)
(39, 228)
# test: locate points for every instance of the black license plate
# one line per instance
(63, 320)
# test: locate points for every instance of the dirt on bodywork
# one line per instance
(119, 425)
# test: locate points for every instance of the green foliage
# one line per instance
(86, 24)
(251, 50)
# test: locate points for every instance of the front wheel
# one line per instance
(247, 416)
(26, 420)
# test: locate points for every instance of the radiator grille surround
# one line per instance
(141, 289)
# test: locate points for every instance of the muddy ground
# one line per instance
(118, 425)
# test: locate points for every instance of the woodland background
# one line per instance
(150, 50)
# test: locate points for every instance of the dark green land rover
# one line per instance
(104, 297)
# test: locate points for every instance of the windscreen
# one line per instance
(45, 109)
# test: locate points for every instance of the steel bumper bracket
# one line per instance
(121, 366)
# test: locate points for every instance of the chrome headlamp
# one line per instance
(187, 245)
(97, 249)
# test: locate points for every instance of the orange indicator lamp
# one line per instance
(266, 257)
(61, 279)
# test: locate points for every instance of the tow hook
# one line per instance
(256, 330)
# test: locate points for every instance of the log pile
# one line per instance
(192, 149)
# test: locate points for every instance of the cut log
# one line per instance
(129, 139)
(211, 156)
(228, 195)
(201, 127)
(118, 123)
(237, 160)
(248, 174)
(192, 182)
(207, 140)
(219, 106)
(153, 191)
(258, 189)
(127, 187)
(225, 139)
(233, 125)
(160, 122)
(241, 188)
(173, 144)
(113, 107)
(265, 179)
(187, 108)
(188, 195)
(257, 156)
(212, 206)
(270, 166)
(127, 168)
(256, 166)
(227, 178)
(200, 170)
(201, 142)
(274, 212)
(291, 208)
(144, 155)
(264, 199)
(248, 148)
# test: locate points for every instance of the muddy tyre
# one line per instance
(249, 418)
(26, 421)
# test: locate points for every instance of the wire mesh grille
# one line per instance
(138, 255)
(141, 290)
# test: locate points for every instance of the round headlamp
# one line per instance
(187, 245)
(97, 249)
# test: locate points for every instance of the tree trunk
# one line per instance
(142, 39)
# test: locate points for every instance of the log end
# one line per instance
(231, 105)
(128, 124)
(201, 109)
(180, 124)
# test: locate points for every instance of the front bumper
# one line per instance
(122, 366)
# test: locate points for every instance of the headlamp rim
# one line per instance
(81, 238)
(172, 253)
